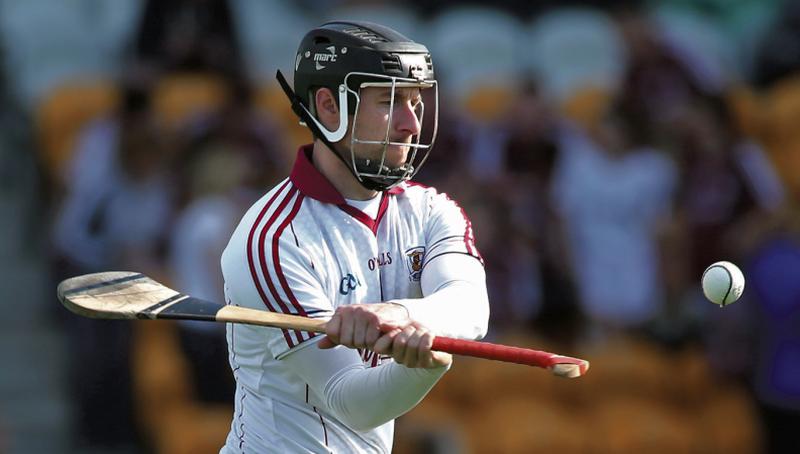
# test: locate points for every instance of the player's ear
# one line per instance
(327, 110)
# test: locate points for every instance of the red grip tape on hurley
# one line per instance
(501, 352)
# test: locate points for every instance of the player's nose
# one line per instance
(405, 120)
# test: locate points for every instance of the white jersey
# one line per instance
(302, 250)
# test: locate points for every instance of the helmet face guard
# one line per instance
(375, 172)
(366, 56)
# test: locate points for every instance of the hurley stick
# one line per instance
(127, 295)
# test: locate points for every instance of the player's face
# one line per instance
(373, 120)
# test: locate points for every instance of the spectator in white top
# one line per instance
(614, 197)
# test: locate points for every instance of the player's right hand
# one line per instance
(361, 325)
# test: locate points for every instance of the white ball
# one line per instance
(723, 283)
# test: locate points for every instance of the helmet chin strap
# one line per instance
(371, 166)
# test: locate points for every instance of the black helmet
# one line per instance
(346, 56)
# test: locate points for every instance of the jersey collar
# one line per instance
(312, 183)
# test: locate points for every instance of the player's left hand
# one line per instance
(411, 347)
(361, 325)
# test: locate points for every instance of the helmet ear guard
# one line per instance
(310, 120)
(333, 136)
(346, 57)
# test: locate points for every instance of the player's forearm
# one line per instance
(459, 309)
(360, 397)
(456, 303)
(370, 397)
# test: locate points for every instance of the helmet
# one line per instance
(346, 57)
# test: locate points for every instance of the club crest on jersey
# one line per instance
(414, 258)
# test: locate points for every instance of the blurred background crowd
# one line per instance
(606, 152)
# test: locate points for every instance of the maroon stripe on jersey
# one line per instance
(263, 259)
(358, 215)
(277, 262)
(251, 262)
(469, 237)
(363, 218)
(399, 189)
(381, 211)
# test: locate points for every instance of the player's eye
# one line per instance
(399, 101)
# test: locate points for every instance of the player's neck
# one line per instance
(340, 177)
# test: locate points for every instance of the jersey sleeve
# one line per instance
(278, 275)
(361, 397)
(448, 230)
(455, 301)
